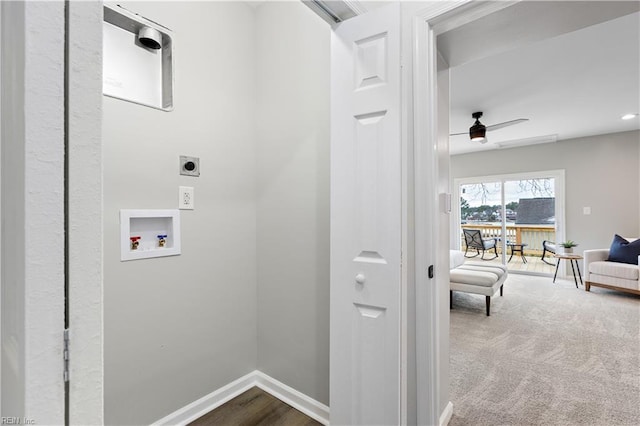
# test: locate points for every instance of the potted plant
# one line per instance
(568, 246)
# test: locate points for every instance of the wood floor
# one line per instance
(534, 264)
(252, 408)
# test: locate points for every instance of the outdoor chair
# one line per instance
(473, 239)
(548, 247)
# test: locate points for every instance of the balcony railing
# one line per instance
(532, 235)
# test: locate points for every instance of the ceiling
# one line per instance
(571, 68)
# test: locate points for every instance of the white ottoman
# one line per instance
(478, 278)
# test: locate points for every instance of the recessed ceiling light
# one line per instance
(629, 116)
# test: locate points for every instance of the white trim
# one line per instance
(84, 213)
(209, 402)
(427, 334)
(356, 6)
(462, 12)
(445, 417)
(284, 393)
(515, 176)
(297, 400)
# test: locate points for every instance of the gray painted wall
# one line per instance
(12, 263)
(293, 196)
(178, 328)
(251, 288)
(601, 172)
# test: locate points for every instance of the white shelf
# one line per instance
(147, 225)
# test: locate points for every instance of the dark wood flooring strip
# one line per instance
(255, 407)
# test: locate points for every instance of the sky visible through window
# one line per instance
(488, 193)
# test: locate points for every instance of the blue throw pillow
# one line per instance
(624, 251)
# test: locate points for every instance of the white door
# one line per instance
(366, 220)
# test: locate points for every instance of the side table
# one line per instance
(517, 248)
(572, 258)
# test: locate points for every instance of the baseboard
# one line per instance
(286, 394)
(202, 406)
(445, 417)
(297, 400)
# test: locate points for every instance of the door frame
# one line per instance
(84, 256)
(32, 200)
(60, 184)
(426, 20)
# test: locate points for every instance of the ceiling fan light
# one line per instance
(477, 132)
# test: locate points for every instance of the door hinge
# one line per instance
(65, 355)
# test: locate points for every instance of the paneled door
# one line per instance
(366, 220)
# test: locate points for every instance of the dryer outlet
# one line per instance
(189, 166)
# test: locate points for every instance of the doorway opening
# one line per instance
(437, 115)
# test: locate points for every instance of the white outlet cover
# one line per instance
(186, 198)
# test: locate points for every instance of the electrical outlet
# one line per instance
(186, 199)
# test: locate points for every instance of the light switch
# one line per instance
(186, 199)
(445, 199)
(586, 210)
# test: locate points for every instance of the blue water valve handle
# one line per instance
(162, 240)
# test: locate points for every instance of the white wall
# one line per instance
(32, 210)
(292, 45)
(601, 172)
(178, 328)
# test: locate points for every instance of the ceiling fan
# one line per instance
(478, 131)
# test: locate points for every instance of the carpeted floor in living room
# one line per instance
(549, 354)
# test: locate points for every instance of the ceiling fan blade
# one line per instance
(506, 123)
(458, 134)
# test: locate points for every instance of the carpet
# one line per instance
(549, 354)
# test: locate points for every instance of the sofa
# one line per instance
(601, 272)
